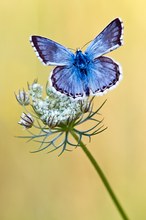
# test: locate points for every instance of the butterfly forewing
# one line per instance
(50, 52)
(109, 39)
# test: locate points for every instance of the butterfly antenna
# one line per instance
(71, 49)
(86, 44)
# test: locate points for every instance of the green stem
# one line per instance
(102, 176)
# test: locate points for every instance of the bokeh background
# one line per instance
(45, 186)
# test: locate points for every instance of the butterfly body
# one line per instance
(82, 64)
(81, 61)
(83, 73)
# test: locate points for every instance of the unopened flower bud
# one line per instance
(23, 97)
(52, 122)
(26, 120)
(85, 106)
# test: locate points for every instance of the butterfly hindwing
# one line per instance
(109, 39)
(103, 74)
(50, 52)
(67, 80)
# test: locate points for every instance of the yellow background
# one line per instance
(42, 186)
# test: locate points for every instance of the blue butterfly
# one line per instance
(83, 74)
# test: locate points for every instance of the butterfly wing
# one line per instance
(103, 74)
(109, 39)
(50, 52)
(67, 80)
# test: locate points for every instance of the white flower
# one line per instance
(55, 108)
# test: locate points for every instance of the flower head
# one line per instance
(56, 116)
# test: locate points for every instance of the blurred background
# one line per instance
(45, 186)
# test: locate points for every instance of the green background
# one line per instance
(42, 186)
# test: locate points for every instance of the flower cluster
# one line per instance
(55, 116)
(55, 108)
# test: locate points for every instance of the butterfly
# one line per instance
(83, 73)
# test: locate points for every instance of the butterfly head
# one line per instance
(81, 61)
